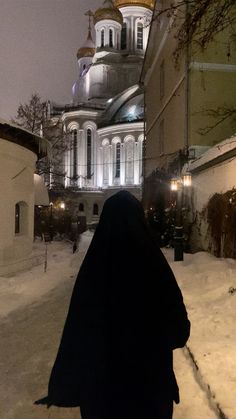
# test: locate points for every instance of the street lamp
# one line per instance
(62, 205)
(177, 185)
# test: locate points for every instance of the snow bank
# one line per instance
(25, 287)
(209, 289)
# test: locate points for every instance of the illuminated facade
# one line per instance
(104, 126)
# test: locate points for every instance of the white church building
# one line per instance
(104, 124)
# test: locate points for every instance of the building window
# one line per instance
(21, 218)
(95, 209)
(81, 207)
(139, 36)
(124, 36)
(110, 38)
(129, 157)
(89, 153)
(102, 38)
(75, 151)
(17, 218)
(162, 79)
(161, 136)
(117, 171)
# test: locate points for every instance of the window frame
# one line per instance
(139, 40)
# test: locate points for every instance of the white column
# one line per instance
(99, 167)
(136, 163)
(122, 164)
(110, 165)
(80, 156)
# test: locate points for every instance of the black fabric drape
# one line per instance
(126, 316)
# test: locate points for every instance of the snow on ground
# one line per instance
(25, 287)
(208, 285)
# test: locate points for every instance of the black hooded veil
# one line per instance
(126, 316)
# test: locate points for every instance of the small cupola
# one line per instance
(86, 52)
(88, 49)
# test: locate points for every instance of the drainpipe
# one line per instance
(187, 88)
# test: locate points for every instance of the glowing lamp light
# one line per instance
(187, 179)
(62, 205)
(174, 184)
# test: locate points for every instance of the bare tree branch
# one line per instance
(199, 21)
(221, 114)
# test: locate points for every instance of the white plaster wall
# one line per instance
(17, 165)
(219, 178)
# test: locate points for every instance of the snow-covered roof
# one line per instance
(216, 154)
(14, 133)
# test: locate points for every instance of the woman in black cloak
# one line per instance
(126, 316)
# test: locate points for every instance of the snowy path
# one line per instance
(29, 339)
(194, 403)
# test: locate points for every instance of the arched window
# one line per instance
(75, 151)
(105, 160)
(124, 36)
(81, 207)
(139, 36)
(102, 38)
(117, 171)
(95, 209)
(129, 157)
(89, 153)
(110, 38)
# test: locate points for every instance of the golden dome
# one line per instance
(109, 11)
(88, 49)
(144, 3)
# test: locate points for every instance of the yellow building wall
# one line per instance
(212, 85)
(167, 105)
(210, 90)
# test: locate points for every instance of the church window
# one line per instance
(89, 153)
(117, 173)
(124, 36)
(95, 209)
(75, 151)
(102, 38)
(129, 160)
(139, 36)
(110, 38)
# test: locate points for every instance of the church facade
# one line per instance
(104, 127)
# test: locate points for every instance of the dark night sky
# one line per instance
(39, 40)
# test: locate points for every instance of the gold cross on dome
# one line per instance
(89, 13)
